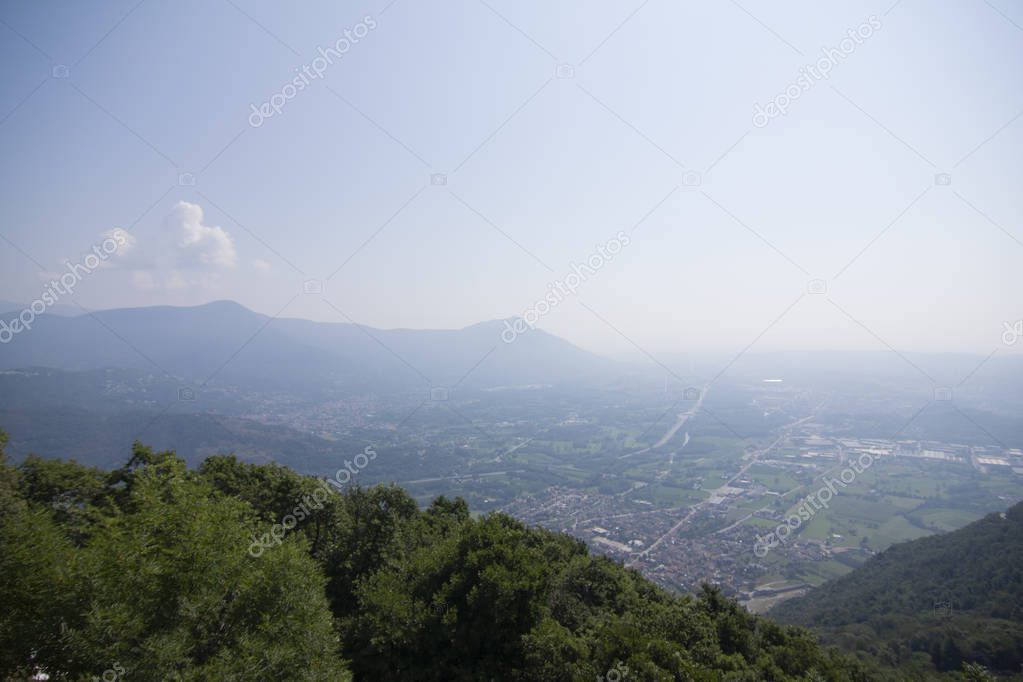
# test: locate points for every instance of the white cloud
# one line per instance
(198, 246)
(185, 253)
(261, 265)
(118, 245)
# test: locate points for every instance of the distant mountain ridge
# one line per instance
(946, 599)
(7, 307)
(233, 344)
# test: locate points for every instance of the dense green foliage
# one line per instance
(142, 572)
(151, 572)
(930, 604)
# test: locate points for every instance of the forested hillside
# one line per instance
(249, 572)
(932, 603)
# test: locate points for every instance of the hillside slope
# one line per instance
(937, 601)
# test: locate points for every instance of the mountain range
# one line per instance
(229, 343)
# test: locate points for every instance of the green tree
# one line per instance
(974, 672)
(37, 585)
(171, 591)
(78, 496)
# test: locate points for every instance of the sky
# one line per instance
(775, 176)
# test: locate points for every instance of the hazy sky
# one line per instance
(107, 108)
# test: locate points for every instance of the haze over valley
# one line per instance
(496, 340)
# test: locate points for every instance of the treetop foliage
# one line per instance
(147, 568)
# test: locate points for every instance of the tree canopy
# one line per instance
(237, 571)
